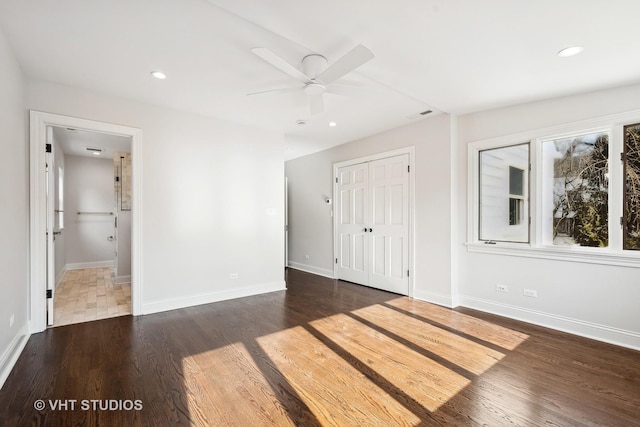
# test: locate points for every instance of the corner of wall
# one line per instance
(453, 141)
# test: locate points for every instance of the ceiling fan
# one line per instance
(315, 74)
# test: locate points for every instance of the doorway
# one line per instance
(46, 211)
(373, 221)
(91, 251)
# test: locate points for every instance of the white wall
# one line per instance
(14, 211)
(206, 188)
(593, 300)
(89, 188)
(310, 221)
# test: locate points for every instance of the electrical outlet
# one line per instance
(530, 293)
(11, 320)
(233, 276)
(502, 288)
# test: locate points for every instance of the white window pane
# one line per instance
(504, 198)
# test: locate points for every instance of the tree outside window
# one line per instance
(580, 189)
(631, 214)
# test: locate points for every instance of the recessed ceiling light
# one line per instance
(570, 51)
(332, 124)
(159, 75)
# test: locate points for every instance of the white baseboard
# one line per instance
(93, 264)
(123, 279)
(12, 352)
(434, 298)
(207, 298)
(581, 328)
(311, 269)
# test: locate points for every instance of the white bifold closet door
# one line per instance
(373, 223)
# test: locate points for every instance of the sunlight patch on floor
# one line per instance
(486, 331)
(251, 400)
(460, 351)
(335, 392)
(421, 378)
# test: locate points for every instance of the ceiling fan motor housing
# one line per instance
(313, 65)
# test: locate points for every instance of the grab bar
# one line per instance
(95, 213)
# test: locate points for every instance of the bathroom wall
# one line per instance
(89, 188)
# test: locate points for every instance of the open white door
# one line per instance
(286, 222)
(50, 195)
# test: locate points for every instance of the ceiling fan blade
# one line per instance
(316, 104)
(349, 62)
(280, 64)
(286, 89)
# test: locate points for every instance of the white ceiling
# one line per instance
(74, 142)
(454, 56)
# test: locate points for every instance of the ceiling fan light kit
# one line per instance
(316, 74)
(313, 65)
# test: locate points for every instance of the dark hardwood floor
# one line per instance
(322, 353)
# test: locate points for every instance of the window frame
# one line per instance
(537, 247)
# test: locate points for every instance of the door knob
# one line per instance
(370, 230)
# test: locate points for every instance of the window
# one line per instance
(572, 192)
(631, 212)
(575, 190)
(503, 194)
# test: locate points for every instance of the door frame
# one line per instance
(410, 150)
(38, 208)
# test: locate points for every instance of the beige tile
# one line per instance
(90, 294)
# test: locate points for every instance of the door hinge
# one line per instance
(621, 221)
(336, 180)
(49, 294)
(117, 179)
(409, 168)
(48, 148)
(407, 273)
(336, 260)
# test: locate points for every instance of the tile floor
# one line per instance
(90, 294)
